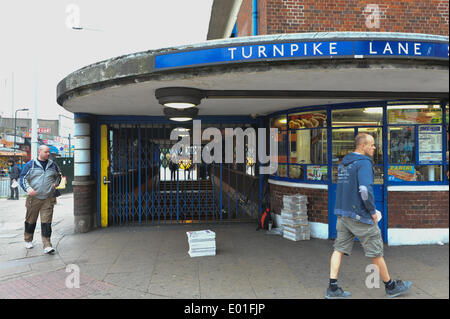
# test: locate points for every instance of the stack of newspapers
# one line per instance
(295, 218)
(201, 243)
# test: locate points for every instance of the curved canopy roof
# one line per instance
(264, 74)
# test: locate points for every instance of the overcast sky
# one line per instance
(37, 46)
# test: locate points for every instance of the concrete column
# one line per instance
(84, 190)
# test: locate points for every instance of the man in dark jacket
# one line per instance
(14, 174)
(358, 217)
(39, 179)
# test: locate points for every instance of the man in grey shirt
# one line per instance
(39, 179)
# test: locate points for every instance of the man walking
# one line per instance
(14, 175)
(39, 179)
(357, 217)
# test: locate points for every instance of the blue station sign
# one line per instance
(300, 50)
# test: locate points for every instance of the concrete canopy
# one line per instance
(126, 85)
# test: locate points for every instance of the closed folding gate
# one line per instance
(146, 187)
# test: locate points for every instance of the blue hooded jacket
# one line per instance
(354, 193)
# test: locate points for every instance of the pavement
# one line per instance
(152, 262)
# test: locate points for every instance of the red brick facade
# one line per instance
(317, 201)
(297, 16)
(418, 209)
(244, 19)
(405, 209)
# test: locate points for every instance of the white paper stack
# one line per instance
(201, 243)
(294, 217)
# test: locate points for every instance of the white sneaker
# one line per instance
(49, 250)
(28, 244)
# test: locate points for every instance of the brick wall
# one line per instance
(244, 19)
(84, 206)
(317, 201)
(296, 16)
(418, 209)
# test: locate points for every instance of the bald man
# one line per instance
(358, 217)
(39, 179)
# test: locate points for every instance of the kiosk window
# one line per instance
(414, 114)
(369, 116)
(308, 145)
(282, 154)
(401, 145)
(415, 148)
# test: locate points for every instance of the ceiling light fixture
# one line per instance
(180, 115)
(179, 97)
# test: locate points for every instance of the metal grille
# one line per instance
(146, 188)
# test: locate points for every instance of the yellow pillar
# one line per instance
(104, 175)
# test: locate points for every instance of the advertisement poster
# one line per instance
(401, 173)
(430, 144)
(315, 173)
(414, 116)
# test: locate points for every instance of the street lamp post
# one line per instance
(15, 131)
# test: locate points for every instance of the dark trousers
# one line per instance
(14, 191)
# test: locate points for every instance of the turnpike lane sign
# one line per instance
(303, 50)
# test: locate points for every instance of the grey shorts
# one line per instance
(368, 235)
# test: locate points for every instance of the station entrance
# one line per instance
(142, 183)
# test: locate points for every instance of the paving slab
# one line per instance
(152, 262)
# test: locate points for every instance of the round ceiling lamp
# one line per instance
(179, 97)
(180, 115)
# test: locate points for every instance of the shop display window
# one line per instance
(415, 143)
(307, 120)
(316, 172)
(296, 171)
(414, 114)
(279, 122)
(448, 144)
(343, 143)
(378, 175)
(401, 145)
(282, 170)
(415, 173)
(368, 116)
(308, 145)
(282, 140)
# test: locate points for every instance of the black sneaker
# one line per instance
(337, 294)
(400, 288)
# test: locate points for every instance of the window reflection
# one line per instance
(308, 146)
(401, 145)
(369, 116)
